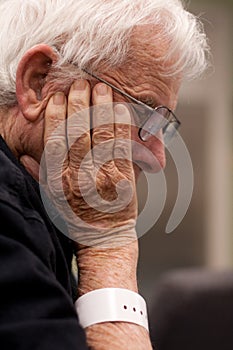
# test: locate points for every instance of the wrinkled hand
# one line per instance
(89, 172)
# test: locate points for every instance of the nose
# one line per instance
(149, 155)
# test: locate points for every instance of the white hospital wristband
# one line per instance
(111, 305)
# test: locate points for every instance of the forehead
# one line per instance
(147, 69)
(150, 49)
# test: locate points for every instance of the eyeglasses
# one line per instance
(154, 119)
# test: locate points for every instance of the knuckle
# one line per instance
(103, 134)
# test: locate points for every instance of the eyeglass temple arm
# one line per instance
(123, 93)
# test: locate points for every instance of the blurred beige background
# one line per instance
(205, 236)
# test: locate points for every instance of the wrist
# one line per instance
(107, 268)
(111, 268)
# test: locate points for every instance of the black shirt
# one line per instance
(36, 305)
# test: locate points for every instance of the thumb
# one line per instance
(31, 166)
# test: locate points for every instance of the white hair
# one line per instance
(88, 32)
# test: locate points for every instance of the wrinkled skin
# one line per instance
(77, 171)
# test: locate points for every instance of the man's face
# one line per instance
(140, 78)
(142, 82)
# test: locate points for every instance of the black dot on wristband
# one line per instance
(134, 309)
(141, 312)
(125, 307)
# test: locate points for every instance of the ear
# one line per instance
(31, 79)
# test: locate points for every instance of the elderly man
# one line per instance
(57, 59)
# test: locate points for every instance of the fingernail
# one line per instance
(102, 89)
(80, 84)
(59, 98)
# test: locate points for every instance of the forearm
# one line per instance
(116, 268)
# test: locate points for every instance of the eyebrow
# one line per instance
(149, 101)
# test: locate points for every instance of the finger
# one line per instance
(78, 122)
(55, 149)
(103, 124)
(123, 143)
(122, 122)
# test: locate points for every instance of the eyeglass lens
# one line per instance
(157, 121)
(161, 118)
